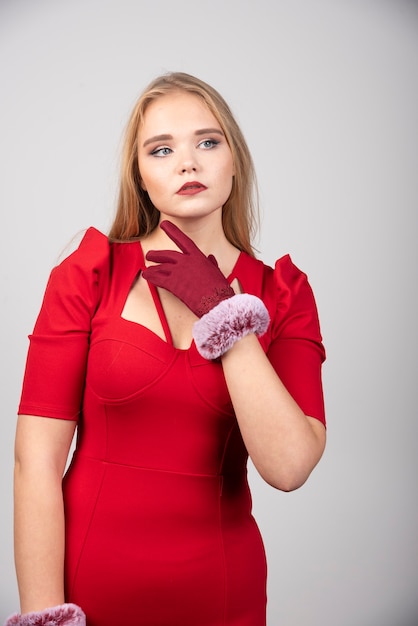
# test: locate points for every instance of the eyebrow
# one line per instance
(202, 131)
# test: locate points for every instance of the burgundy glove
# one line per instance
(190, 275)
(63, 615)
(199, 283)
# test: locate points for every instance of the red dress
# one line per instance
(159, 530)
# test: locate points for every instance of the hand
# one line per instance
(63, 615)
(190, 275)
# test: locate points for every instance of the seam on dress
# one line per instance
(93, 510)
(71, 587)
(211, 405)
(104, 461)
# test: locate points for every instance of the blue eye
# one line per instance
(207, 144)
(161, 152)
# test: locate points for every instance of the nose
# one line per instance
(188, 167)
(187, 161)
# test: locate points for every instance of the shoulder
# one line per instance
(289, 298)
(89, 270)
(276, 285)
(289, 280)
(81, 273)
(92, 251)
(92, 255)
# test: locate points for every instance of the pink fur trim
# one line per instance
(229, 321)
(62, 615)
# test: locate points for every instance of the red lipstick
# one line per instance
(191, 188)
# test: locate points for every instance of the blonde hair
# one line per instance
(136, 216)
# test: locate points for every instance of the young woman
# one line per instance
(176, 354)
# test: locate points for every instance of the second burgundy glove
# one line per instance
(190, 275)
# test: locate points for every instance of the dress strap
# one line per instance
(161, 314)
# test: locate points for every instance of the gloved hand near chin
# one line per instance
(62, 615)
(198, 282)
(190, 275)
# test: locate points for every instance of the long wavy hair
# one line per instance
(137, 217)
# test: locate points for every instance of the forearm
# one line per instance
(39, 538)
(283, 443)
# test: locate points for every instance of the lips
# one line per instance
(191, 188)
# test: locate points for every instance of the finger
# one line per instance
(180, 239)
(213, 260)
(156, 275)
(163, 256)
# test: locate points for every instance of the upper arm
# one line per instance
(296, 350)
(43, 442)
(55, 370)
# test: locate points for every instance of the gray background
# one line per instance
(327, 95)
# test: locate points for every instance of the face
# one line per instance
(185, 162)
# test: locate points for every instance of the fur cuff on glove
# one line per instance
(230, 320)
(63, 615)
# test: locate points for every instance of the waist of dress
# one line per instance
(182, 494)
(147, 468)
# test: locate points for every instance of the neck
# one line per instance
(207, 233)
